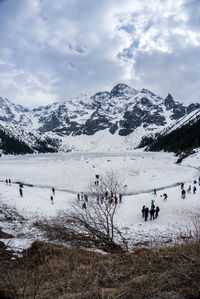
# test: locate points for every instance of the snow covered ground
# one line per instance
(70, 173)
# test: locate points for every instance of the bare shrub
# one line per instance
(94, 225)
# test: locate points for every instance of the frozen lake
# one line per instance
(140, 171)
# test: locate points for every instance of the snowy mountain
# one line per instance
(182, 137)
(115, 120)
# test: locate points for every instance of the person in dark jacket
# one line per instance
(165, 196)
(143, 211)
(53, 190)
(157, 211)
(21, 191)
(183, 194)
(84, 206)
(152, 211)
(51, 197)
(106, 195)
(146, 213)
(194, 189)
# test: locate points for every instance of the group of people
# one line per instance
(101, 198)
(153, 211)
(8, 181)
(189, 189)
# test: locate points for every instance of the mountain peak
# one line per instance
(169, 102)
(122, 89)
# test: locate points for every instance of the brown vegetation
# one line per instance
(50, 271)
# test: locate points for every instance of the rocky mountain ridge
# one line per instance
(123, 112)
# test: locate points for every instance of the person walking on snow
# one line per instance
(84, 206)
(146, 213)
(183, 194)
(165, 196)
(189, 189)
(194, 189)
(9, 182)
(182, 186)
(154, 192)
(143, 211)
(53, 190)
(21, 191)
(152, 211)
(51, 197)
(157, 211)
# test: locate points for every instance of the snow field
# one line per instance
(71, 173)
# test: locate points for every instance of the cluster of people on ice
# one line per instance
(8, 182)
(189, 189)
(153, 211)
(100, 199)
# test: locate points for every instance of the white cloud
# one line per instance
(53, 51)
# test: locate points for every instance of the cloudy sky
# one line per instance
(53, 50)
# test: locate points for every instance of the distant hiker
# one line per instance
(152, 211)
(9, 182)
(106, 195)
(84, 206)
(21, 191)
(81, 195)
(120, 198)
(86, 197)
(146, 213)
(194, 189)
(102, 199)
(116, 200)
(182, 186)
(51, 197)
(6, 181)
(98, 200)
(189, 189)
(199, 181)
(78, 196)
(154, 192)
(143, 211)
(111, 194)
(165, 196)
(53, 190)
(183, 194)
(157, 211)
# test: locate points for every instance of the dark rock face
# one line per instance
(169, 102)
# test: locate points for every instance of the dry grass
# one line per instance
(49, 271)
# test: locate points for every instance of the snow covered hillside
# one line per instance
(70, 173)
(107, 121)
